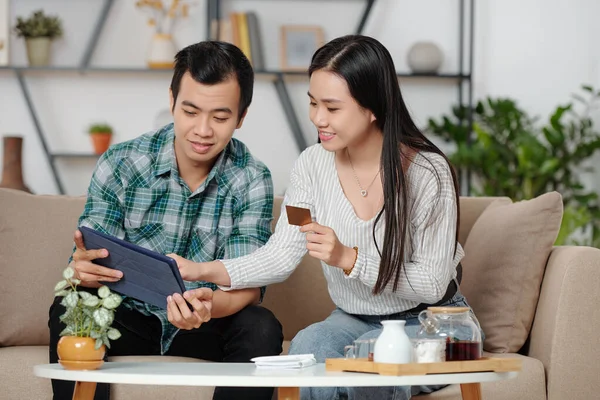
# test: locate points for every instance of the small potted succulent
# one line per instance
(88, 319)
(39, 30)
(101, 134)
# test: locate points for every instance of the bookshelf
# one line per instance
(462, 78)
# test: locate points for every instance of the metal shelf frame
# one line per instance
(462, 78)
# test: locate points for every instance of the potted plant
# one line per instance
(88, 320)
(101, 134)
(39, 30)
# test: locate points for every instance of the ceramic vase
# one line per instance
(12, 168)
(393, 345)
(162, 52)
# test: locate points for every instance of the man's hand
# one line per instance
(179, 313)
(189, 270)
(90, 274)
(323, 244)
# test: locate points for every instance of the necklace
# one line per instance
(363, 192)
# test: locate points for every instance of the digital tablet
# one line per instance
(147, 275)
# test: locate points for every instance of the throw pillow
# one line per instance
(36, 240)
(505, 258)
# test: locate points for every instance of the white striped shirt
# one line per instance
(430, 261)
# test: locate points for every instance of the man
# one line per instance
(189, 190)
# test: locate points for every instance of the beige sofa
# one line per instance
(36, 238)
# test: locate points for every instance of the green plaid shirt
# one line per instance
(136, 194)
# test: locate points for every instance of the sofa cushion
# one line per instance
(34, 249)
(470, 210)
(505, 258)
(16, 373)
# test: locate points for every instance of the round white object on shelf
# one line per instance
(425, 57)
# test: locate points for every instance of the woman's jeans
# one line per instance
(327, 339)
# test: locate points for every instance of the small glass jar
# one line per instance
(455, 327)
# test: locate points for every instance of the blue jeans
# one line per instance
(326, 339)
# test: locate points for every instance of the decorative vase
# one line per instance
(12, 169)
(101, 141)
(38, 51)
(393, 345)
(162, 51)
(425, 58)
(78, 353)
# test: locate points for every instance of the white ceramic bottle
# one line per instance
(393, 345)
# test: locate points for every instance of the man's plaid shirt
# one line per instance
(136, 194)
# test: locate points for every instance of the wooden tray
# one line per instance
(482, 365)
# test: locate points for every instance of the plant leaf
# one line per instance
(71, 300)
(85, 295)
(95, 334)
(113, 334)
(103, 292)
(91, 301)
(61, 285)
(68, 331)
(61, 293)
(588, 88)
(102, 317)
(68, 273)
(112, 301)
(98, 344)
(549, 166)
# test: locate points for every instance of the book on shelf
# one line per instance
(244, 35)
(256, 49)
(235, 29)
(243, 30)
(213, 18)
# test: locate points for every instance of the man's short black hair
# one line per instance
(212, 62)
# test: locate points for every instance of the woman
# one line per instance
(384, 202)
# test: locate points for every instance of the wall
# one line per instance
(538, 52)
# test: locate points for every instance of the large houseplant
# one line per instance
(512, 154)
(39, 30)
(88, 319)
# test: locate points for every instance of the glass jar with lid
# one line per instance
(455, 329)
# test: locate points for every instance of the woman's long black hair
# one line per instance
(369, 71)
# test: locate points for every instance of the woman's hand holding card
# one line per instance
(323, 244)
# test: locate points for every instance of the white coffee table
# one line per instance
(244, 375)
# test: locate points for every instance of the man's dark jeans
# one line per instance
(252, 332)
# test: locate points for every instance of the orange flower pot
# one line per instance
(78, 353)
(101, 141)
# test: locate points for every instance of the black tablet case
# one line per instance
(147, 275)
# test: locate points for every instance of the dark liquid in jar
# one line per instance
(463, 350)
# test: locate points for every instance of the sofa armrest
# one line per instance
(565, 331)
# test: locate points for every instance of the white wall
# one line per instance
(536, 51)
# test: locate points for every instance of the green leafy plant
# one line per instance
(39, 25)
(512, 155)
(87, 315)
(100, 128)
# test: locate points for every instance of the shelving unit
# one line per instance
(462, 78)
